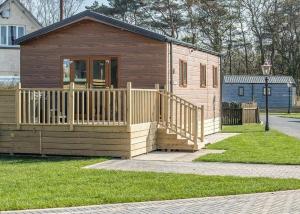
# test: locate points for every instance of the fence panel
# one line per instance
(232, 116)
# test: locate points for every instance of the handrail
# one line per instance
(181, 116)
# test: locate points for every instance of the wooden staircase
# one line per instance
(170, 141)
(181, 124)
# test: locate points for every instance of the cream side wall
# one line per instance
(208, 96)
(10, 58)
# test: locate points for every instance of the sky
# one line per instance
(90, 2)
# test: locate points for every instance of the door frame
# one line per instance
(89, 58)
(107, 70)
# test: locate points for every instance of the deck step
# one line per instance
(170, 141)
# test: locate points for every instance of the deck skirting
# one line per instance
(115, 141)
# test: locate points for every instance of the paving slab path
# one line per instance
(278, 202)
(203, 168)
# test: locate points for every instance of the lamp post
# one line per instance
(289, 85)
(266, 69)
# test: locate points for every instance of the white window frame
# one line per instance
(241, 89)
(17, 34)
(269, 91)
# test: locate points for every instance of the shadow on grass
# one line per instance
(21, 159)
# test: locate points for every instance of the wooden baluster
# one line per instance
(114, 106)
(33, 110)
(48, 106)
(196, 127)
(119, 107)
(103, 106)
(176, 115)
(24, 107)
(88, 105)
(171, 112)
(53, 107)
(44, 107)
(108, 107)
(71, 106)
(82, 106)
(63, 100)
(58, 107)
(29, 106)
(189, 119)
(157, 103)
(124, 106)
(78, 106)
(18, 106)
(98, 106)
(129, 105)
(185, 121)
(202, 123)
(93, 107)
(39, 107)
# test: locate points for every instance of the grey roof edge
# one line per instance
(26, 10)
(113, 22)
(271, 79)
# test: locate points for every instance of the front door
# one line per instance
(99, 72)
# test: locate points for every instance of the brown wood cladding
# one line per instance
(208, 96)
(141, 60)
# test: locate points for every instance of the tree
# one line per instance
(47, 11)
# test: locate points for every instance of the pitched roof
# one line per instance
(22, 7)
(257, 79)
(112, 22)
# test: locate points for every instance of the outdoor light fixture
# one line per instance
(289, 85)
(266, 69)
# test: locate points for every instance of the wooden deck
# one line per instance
(97, 122)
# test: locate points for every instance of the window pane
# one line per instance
(66, 69)
(99, 69)
(185, 74)
(80, 72)
(20, 32)
(12, 34)
(114, 72)
(241, 91)
(3, 35)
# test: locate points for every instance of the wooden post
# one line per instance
(129, 106)
(196, 127)
(202, 123)
(157, 114)
(166, 105)
(18, 106)
(71, 106)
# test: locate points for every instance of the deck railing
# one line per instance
(181, 116)
(109, 107)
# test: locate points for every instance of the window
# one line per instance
(215, 77)
(182, 73)
(66, 70)
(9, 33)
(80, 71)
(241, 91)
(269, 91)
(202, 75)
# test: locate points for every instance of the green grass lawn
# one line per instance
(254, 145)
(27, 182)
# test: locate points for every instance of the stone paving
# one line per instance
(187, 156)
(279, 202)
(203, 168)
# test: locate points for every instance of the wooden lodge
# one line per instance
(93, 85)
